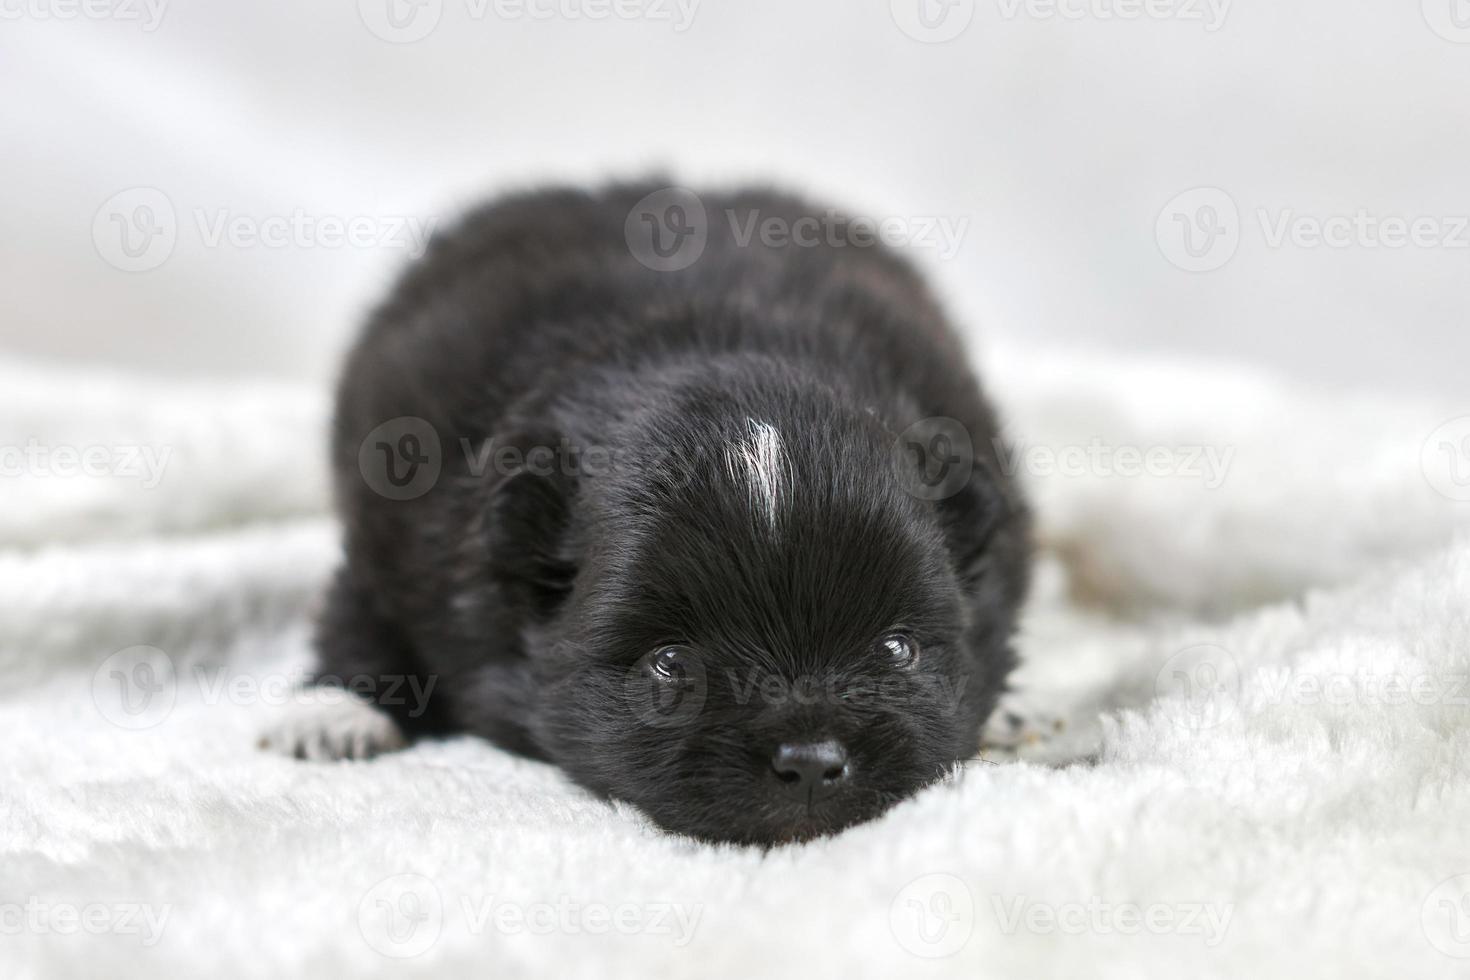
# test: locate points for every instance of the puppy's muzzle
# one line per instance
(811, 771)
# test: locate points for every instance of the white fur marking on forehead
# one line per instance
(761, 462)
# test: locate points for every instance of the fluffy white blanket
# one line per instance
(1252, 624)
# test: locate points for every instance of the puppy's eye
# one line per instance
(901, 650)
(669, 663)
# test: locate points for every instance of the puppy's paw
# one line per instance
(1017, 724)
(333, 725)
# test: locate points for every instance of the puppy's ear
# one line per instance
(971, 516)
(936, 460)
(528, 520)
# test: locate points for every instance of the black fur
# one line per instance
(532, 596)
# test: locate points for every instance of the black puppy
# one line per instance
(710, 517)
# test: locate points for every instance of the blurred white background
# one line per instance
(149, 143)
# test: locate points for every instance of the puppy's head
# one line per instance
(763, 633)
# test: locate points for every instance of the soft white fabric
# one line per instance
(1294, 816)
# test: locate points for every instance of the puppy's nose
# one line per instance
(811, 770)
